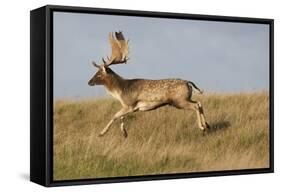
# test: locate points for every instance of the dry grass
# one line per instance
(166, 140)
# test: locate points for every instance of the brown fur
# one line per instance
(144, 94)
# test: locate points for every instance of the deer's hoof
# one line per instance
(205, 131)
(208, 126)
(125, 134)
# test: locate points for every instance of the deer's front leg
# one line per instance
(123, 130)
(119, 114)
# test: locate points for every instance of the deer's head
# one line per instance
(119, 55)
(100, 77)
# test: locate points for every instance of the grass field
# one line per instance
(166, 140)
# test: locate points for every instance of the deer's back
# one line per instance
(157, 90)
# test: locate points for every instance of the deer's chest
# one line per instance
(116, 95)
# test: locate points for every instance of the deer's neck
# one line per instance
(114, 83)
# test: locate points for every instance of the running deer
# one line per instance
(142, 94)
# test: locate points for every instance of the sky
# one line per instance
(223, 57)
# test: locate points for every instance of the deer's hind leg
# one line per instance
(197, 107)
(202, 115)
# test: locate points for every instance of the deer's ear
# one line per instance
(103, 68)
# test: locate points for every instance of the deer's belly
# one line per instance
(145, 106)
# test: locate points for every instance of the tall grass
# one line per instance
(166, 140)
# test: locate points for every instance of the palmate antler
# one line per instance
(119, 49)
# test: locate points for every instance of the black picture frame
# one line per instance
(41, 94)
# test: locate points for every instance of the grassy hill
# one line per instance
(166, 140)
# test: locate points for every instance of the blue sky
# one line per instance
(217, 56)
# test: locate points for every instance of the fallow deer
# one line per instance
(142, 94)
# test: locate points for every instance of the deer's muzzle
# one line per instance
(91, 83)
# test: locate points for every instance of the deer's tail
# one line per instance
(190, 83)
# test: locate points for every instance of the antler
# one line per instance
(119, 49)
(95, 64)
